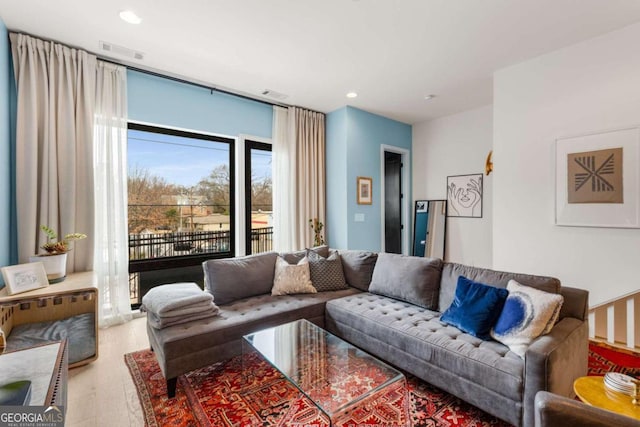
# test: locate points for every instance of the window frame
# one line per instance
(136, 266)
(250, 144)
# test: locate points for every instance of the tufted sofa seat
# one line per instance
(188, 346)
(484, 373)
(412, 336)
(419, 333)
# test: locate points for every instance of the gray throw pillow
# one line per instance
(295, 256)
(231, 279)
(408, 278)
(326, 273)
(358, 267)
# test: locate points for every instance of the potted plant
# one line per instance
(55, 258)
(317, 226)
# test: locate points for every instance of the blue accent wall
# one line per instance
(354, 147)
(336, 173)
(162, 101)
(5, 146)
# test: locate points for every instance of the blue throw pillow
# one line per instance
(475, 307)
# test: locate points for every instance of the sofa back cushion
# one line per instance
(412, 279)
(231, 279)
(500, 279)
(294, 257)
(358, 267)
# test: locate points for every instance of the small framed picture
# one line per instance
(24, 277)
(364, 190)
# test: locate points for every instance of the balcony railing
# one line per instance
(163, 245)
(175, 244)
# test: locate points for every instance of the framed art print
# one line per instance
(24, 277)
(464, 196)
(597, 179)
(364, 190)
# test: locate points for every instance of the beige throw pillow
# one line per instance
(292, 278)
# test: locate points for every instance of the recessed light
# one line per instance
(352, 95)
(428, 97)
(130, 17)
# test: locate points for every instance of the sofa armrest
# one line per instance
(554, 361)
(553, 410)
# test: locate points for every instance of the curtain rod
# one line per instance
(192, 83)
(200, 85)
(165, 76)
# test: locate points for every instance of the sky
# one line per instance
(183, 161)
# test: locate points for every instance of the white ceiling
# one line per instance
(391, 52)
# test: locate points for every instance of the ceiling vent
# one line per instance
(273, 94)
(122, 51)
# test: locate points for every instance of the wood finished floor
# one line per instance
(102, 392)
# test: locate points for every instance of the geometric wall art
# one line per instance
(595, 176)
(597, 179)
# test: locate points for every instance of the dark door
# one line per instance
(392, 202)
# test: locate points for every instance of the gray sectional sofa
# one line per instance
(399, 324)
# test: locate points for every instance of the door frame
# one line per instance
(405, 207)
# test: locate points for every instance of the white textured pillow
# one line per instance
(527, 314)
(292, 278)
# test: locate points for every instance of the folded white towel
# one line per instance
(164, 299)
(164, 322)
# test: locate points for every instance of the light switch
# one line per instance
(359, 217)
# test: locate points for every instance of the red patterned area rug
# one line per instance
(604, 358)
(218, 396)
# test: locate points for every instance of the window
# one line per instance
(181, 202)
(259, 200)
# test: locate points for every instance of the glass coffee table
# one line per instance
(336, 376)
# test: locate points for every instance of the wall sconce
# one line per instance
(488, 164)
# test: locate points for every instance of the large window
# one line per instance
(258, 194)
(181, 200)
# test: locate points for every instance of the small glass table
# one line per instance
(336, 376)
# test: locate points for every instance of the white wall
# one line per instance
(457, 145)
(591, 86)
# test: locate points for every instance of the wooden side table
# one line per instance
(78, 294)
(591, 390)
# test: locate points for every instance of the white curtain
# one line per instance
(71, 162)
(298, 176)
(111, 261)
(284, 184)
(54, 132)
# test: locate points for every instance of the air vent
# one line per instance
(122, 51)
(273, 94)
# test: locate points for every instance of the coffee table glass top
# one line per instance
(331, 372)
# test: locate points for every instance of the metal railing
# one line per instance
(162, 245)
(261, 240)
(175, 244)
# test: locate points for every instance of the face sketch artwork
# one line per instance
(464, 194)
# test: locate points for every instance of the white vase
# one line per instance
(54, 265)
